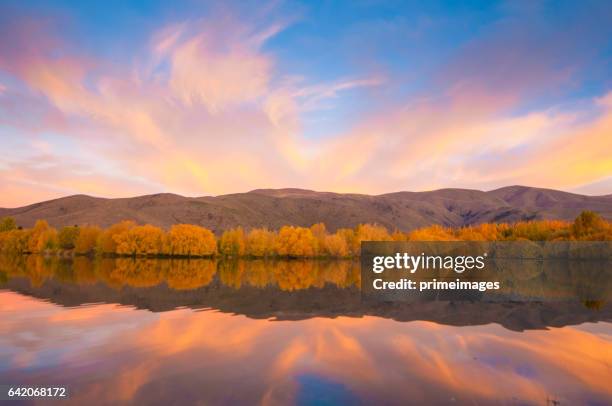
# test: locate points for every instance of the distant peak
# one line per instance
(283, 192)
(74, 197)
(512, 188)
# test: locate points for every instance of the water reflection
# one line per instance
(294, 290)
(109, 354)
(183, 274)
(282, 333)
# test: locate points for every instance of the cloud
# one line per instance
(216, 74)
(205, 108)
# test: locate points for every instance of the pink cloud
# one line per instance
(206, 111)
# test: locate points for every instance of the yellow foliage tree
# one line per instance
(319, 231)
(106, 243)
(543, 230)
(336, 246)
(295, 242)
(233, 242)
(432, 233)
(369, 232)
(140, 240)
(14, 241)
(348, 235)
(86, 241)
(260, 242)
(42, 237)
(190, 240)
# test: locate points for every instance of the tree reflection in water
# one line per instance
(184, 274)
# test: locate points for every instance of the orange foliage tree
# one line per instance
(544, 230)
(295, 242)
(42, 237)
(14, 241)
(140, 240)
(432, 233)
(190, 240)
(336, 246)
(86, 241)
(260, 242)
(369, 232)
(106, 243)
(319, 232)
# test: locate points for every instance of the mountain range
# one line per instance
(274, 208)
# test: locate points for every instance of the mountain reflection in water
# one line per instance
(278, 332)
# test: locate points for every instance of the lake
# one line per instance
(161, 331)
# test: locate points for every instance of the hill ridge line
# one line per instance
(274, 208)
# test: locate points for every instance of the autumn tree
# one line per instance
(260, 242)
(432, 233)
(543, 230)
(42, 237)
(336, 246)
(190, 240)
(348, 235)
(319, 231)
(14, 241)
(369, 232)
(7, 224)
(140, 240)
(67, 237)
(295, 242)
(106, 243)
(233, 242)
(86, 240)
(588, 225)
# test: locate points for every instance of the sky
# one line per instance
(125, 98)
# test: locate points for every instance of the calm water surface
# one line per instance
(285, 332)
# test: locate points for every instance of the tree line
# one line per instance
(187, 240)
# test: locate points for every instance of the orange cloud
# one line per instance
(206, 111)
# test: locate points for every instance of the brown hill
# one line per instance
(276, 207)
